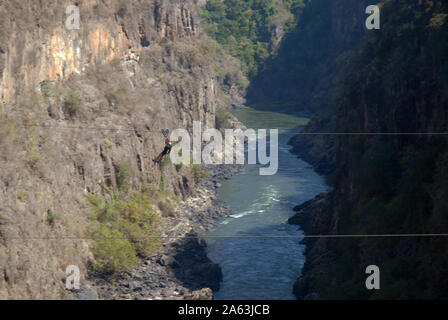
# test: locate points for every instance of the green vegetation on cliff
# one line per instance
(124, 228)
(248, 30)
(311, 59)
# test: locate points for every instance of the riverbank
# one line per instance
(316, 149)
(181, 268)
(314, 218)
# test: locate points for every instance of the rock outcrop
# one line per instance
(314, 218)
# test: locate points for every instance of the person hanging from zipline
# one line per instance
(167, 148)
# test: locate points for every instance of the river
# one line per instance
(258, 252)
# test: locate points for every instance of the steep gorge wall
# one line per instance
(345, 29)
(138, 67)
(390, 183)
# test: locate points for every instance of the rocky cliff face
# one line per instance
(75, 105)
(37, 45)
(343, 32)
(393, 183)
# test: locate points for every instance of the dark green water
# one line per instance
(258, 252)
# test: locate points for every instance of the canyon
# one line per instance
(81, 114)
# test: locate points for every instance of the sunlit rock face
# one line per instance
(36, 44)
